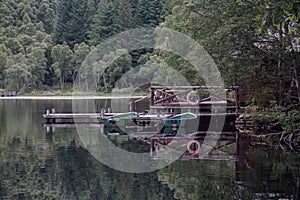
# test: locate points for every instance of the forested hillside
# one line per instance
(43, 42)
(254, 43)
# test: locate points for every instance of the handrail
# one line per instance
(195, 87)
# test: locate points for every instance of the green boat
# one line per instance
(119, 119)
(175, 125)
(179, 120)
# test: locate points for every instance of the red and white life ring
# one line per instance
(191, 145)
(192, 98)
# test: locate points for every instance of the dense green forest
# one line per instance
(254, 43)
(43, 43)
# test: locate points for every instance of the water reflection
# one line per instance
(260, 175)
(35, 164)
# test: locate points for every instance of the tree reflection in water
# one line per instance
(36, 165)
(266, 173)
(30, 171)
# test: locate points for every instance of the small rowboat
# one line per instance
(175, 125)
(118, 118)
(179, 120)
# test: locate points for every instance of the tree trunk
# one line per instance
(295, 78)
(86, 82)
(62, 83)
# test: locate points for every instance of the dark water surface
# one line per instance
(39, 165)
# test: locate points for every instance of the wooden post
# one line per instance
(135, 106)
(237, 145)
(108, 110)
(130, 107)
(49, 129)
(152, 97)
(152, 147)
(47, 113)
(53, 112)
(236, 99)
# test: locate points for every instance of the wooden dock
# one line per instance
(71, 116)
(8, 94)
(165, 102)
(62, 117)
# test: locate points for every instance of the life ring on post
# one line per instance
(193, 147)
(192, 98)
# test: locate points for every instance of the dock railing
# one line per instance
(172, 97)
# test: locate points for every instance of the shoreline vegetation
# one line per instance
(52, 94)
(274, 126)
(68, 97)
(69, 94)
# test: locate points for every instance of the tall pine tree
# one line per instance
(149, 12)
(103, 25)
(74, 20)
(124, 19)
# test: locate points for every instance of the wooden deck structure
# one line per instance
(193, 98)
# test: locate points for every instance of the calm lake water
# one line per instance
(39, 165)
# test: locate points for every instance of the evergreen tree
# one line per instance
(46, 14)
(149, 12)
(104, 22)
(124, 19)
(73, 23)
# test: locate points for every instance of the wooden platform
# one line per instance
(64, 117)
(100, 115)
(72, 125)
(71, 116)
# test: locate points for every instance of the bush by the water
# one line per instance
(286, 121)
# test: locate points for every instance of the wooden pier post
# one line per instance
(49, 129)
(130, 107)
(47, 113)
(53, 112)
(152, 147)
